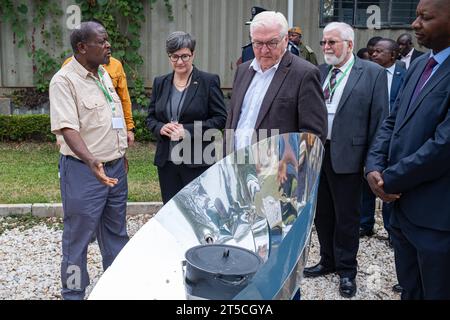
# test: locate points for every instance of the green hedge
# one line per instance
(37, 128)
(25, 128)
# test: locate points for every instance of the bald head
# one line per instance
(432, 25)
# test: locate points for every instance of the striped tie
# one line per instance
(329, 89)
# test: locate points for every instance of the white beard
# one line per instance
(331, 59)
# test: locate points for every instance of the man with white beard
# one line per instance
(356, 97)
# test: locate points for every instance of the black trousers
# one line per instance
(173, 178)
(422, 258)
(337, 218)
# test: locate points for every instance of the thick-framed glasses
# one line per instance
(330, 42)
(183, 57)
(272, 44)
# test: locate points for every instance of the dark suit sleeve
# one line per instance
(153, 124)
(217, 114)
(380, 104)
(312, 113)
(428, 163)
(379, 150)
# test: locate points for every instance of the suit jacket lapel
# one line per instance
(324, 70)
(191, 91)
(432, 82)
(353, 79)
(240, 91)
(274, 87)
(396, 82)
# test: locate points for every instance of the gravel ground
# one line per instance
(30, 260)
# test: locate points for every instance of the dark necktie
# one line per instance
(423, 78)
(329, 89)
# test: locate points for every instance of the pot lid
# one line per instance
(223, 259)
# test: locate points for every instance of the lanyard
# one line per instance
(181, 98)
(340, 79)
(105, 92)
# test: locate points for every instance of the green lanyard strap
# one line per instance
(105, 92)
(340, 79)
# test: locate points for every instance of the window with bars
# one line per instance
(393, 13)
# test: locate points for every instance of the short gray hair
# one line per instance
(179, 40)
(84, 33)
(344, 29)
(269, 19)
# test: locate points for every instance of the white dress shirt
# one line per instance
(407, 59)
(390, 75)
(336, 97)
(252, 104)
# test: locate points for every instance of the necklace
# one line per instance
(180, 84)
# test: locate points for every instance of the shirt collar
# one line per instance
(257, 67)
(345, 66)
(441, 56)
(82, 71)
(410, 53)
(391, 69)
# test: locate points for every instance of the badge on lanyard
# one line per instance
(117, 123)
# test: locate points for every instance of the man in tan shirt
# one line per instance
(88, 120)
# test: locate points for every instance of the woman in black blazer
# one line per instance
(178, 99)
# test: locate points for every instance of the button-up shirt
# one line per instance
(390, 75)
(407, 59)
(252, 103)
(336, 98)
(77, 102)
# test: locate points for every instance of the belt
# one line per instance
(105, 164)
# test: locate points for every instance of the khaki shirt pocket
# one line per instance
(95, 112)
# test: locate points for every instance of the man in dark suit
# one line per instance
(409, 162)
(385, 53)
(355, 92)
(407, 52)
(277, 90)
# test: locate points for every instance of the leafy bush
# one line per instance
(142, 133)
(25, 128)
(37, 128)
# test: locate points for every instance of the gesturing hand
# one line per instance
(97, 168)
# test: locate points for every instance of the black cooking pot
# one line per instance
(219, 271)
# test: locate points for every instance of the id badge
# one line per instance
(117, 123)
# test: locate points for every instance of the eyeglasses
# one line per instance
(184, 57)
(330, 42)
(272, 44)
(100, 43)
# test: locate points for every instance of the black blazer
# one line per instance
(203, 102)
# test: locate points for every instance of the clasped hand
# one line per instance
(376, 183)
(175, 131)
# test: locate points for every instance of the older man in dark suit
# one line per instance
(409, 162)
(276, 90)
(356, 97)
